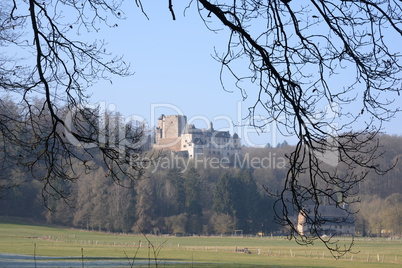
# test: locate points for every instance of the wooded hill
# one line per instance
(207, 195)
(182, 196)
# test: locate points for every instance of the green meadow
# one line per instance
(35, 241)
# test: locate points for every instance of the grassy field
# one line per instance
(190, 251)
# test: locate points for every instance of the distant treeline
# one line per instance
(206, 195)
(197, 198)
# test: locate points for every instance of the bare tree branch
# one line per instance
(296, 52)
(62, 130)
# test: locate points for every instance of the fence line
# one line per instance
(292, 253)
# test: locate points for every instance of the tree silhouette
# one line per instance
(297, 58)
(294, 58)
(55, 128)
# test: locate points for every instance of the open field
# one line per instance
(85, 246)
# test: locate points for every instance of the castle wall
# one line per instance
(172, 144)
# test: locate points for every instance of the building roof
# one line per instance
(221, 134)
(331, 214)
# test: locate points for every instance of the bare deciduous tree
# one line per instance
(46, 70)
(295, 58)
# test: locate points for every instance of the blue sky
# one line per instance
(174, 72)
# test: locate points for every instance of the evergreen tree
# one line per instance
(193, 207)
(192, 189)
(247, 202)
(224, 195)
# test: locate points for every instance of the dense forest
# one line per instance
(195, 196)
(195, 200)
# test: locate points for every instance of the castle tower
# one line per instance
(169, 130)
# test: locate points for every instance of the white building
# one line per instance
(335, 221)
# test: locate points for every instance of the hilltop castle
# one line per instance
(174, 134)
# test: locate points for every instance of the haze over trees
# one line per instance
(194, 199)
(293, 58)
